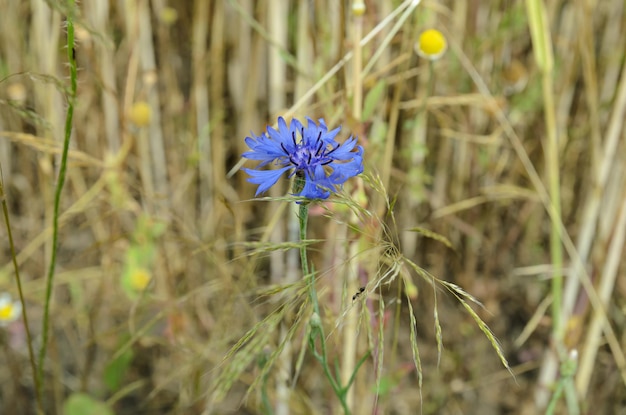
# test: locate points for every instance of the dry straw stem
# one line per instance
(306, 97)
(605, 289)
(151, 142)
(602, 165)
(575, 257)
(349, 350)
(397, 265)
(46, 146)
(252, 345)
(82, 204)
(386, 161)
(200, 91)
(97, 14)
(212, 69)
(592, 211)
(277, 18)
(18, 280)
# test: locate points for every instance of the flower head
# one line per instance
(309, 152)
(9, 310)
(140, 114)
(431, 45)
(140, 278)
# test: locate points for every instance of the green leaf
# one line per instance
(141, 255)
(387, 383)
(372, 99)
(116, 369)
(83, 404)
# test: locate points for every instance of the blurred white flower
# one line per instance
(9, 310)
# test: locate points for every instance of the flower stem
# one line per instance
(303, 217)
(59, 188)
(29, 341)
(317, 330)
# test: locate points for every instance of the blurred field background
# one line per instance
(166, 260)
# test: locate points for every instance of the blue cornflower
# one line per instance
(315, 156)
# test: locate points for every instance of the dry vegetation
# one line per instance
(467, 150)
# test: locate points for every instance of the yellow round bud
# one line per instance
(431, 44)
(17, 93)
(140, 114)
(168, 15)
(140, 278)
(358, 8)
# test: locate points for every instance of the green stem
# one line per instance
(339, 391)
(59, 188)
(317, 329)
(565, 385)
(544, 56)
(29, 341)
(303, 216)
(556, 249)
(265, 400)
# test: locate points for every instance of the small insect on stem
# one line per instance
(355, 296)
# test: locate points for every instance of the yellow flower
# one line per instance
(140, 114)
(358, 8)
(9, 310)
(140, 278)
(17, 92)
(168, 15)
(431, 45)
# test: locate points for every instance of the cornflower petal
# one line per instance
(343, 172)
(279, 136)
(265, 178)
(345, 150)
(311, 152)
(263, 148)
(315, 130)
(316, 185)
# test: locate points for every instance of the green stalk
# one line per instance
(59, 188)
(542, 47)
(554, 186)
(29, 341)
(303, 217)
(566, 386)
(317, 330)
